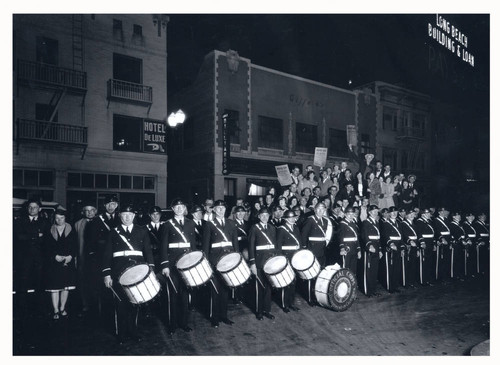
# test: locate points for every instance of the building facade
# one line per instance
(90, 100)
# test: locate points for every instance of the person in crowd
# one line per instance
(199, 225)
(398, 189)
(312, 203)
(373, 188)
(401, 215)
(325, 183)
(335, 182)
(343, 168)
(306, 193)
(378, 169)
(303, 205)
(293, 202)
(208, 206)
(335, 173)
(239, 203)
(282, 203)
(346, 178)
(348, 193)
(60, 249)
(269, 201)
(272, 191)
(276, 219)
(286, 194)
(406, 197)
(295, 175)
(155, 228)
(360, 186)
(366, 164)
(255, 212)
(332, 194)
(294, 192)
(386, 194)
(472, 236)
(308, 182)
(387, 172)
(363, 209)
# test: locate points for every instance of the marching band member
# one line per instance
(242, 227)
(483, 243)
(314, 238)
(411, 258)
(425, 234)
(220, 237)
(155, 228)
(459, 246)
(126, 242)
(262, 246)
(179, 238)
(471, 254)
(391, 240)
(442, 239)
(350, 249)
(370, 236)
(290, 241)
(199, 224)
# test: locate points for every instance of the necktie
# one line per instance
(181, 222)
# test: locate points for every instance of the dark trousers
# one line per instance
(443, 262)
(350, 261)
(126, 315)
(426, 263)
(392, 270)
(482, 264)
(288, 295)
(411, 266)
(177, 301)
(219, 295)
(263, 291)
(370, 272)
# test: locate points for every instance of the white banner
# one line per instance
(320, 155)
(283, 173)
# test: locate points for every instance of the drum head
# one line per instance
(302, 260)
(342, 290)
(275, 265)
(189, 259)
(228, 262)
(134, 274)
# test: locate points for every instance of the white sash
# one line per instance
(178, 230)
(124, 239)
(291, 234)
(102, 219)
(322, 230)
(220, 230)
(265, 235)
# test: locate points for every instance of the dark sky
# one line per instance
(334, 49)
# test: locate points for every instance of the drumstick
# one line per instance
(213, 284)
(116, 295)
(171, 282)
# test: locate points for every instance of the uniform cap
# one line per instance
(402, 210)
(289, 214)
(111, 199)
(383, 210)
(127, 208)
(177, 201)
(349, 209)
(392, 209)
(219, 203)
(455, 213)
(372, 207)
(155, 209)
(424, 210)
(443, 209)
(264, 210)
(276, 208)
(197, 208)
(239, 209)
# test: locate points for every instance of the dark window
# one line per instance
(138, 182)
(127, 132)
(30, 178)
(47, 50)
(337, 143)
(87, 180)
(44, 111)
(17, 177)
(127, 68)
(188, 133)
(126, 182)
(390, 118)
(365, 143)
(306, 137)
(149, 183)
(137, 30)
(270, 132)
(233, 125)
(420, 163)
(46, 178)
(73, 179)
(117, 25)
(389, 157)
(404, 160)
(101, 181)
(113, 181)
(419, 123)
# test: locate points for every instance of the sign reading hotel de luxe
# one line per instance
(154, 136)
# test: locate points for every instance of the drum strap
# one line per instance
(291, 234)
(124, 239)
(265, 235)
(103, 222)
(178, 230)
(409, 226)
(221, 231)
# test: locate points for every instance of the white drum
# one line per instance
(194, 268)
(305, 264)
(279, 272)
(335, 288)
(139, 283)
(233, 269)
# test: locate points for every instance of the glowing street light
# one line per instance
(176, 118)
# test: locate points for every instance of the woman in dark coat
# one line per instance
(60, 250)
(407, 196)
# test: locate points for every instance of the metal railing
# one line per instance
(50, 74)
(130, 91)
(411, 132)
(51, 132)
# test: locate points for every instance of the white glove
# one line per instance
(108, 282)
(166, 272)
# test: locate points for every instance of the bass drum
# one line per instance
(335, 288)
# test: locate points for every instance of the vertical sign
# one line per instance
(226, 146)
(320, 154)
(154, 136)
(352, 135)
(284, 176)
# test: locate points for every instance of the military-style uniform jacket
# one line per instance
(314, 235)
(261, 244)
(155, 237)
(27, 234)
(441, 229)
(391, 232)
(97, 232)
(198, 230)
(348, 237)
(177, 240)
(457, 234)
(470, 231)
(242, 230)
(218, 240)
(289, 240)
(121, 248)
(408, 231)
(483, 232)
(425, 233)
(370, 235)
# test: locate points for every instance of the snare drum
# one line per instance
(233, 269)
(194, 268)
(138, 282)
(335, 288)
(279, 272)
(306, 264)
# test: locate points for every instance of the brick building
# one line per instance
(89, 100)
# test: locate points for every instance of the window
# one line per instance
(126, 182)
(46, 178)
(365, 143)
(405, 119)
(270, 132)
(117, 25)
(73, 180)
(389, 157)
(306, 137)
(233, 122)
(33, 178)
(405, 156)
(44, 112)
(337, 143)
(17, 177)
(137, 30)
(390, 119)
(138, 182)
(99, 181)
(47, 50)
(127, 132)
(87, 180)
(127, 68)
(113, 181)
(149, 183)
(418, 123)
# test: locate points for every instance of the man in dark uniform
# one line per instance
(459, 246)
(401, 215)
(220, 237)
(314, 238)
(442, 238)
(155, 228)
(242, 227)
(288, 237)
(370, 238)
(276, 220)
(471, 233)
(197, 217)
(126, 243)
(261, 246)
(391, 241)
(425, 234)
(348, 238)
(178, 239)
(412, 254)
(483, 243)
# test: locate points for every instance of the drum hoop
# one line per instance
(278, 272)
(129, 267)
(306, 269)
(137, 282)
(193, 265)
(229, 270)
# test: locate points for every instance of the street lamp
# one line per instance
(176, 118)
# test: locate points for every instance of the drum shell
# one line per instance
(238, 275)
(143, 291)
(196, 274)
(283, 277)
(331, 280)
(313, 267)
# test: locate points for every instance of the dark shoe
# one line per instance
(286, 310)
(227, 321)
(294, 308)
(64, 313)
(259, 316)
(311, 304)
(268, 315)
(55, 317)
(215, 324)
(187, 329)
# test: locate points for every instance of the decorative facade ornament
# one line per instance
(233, 60)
